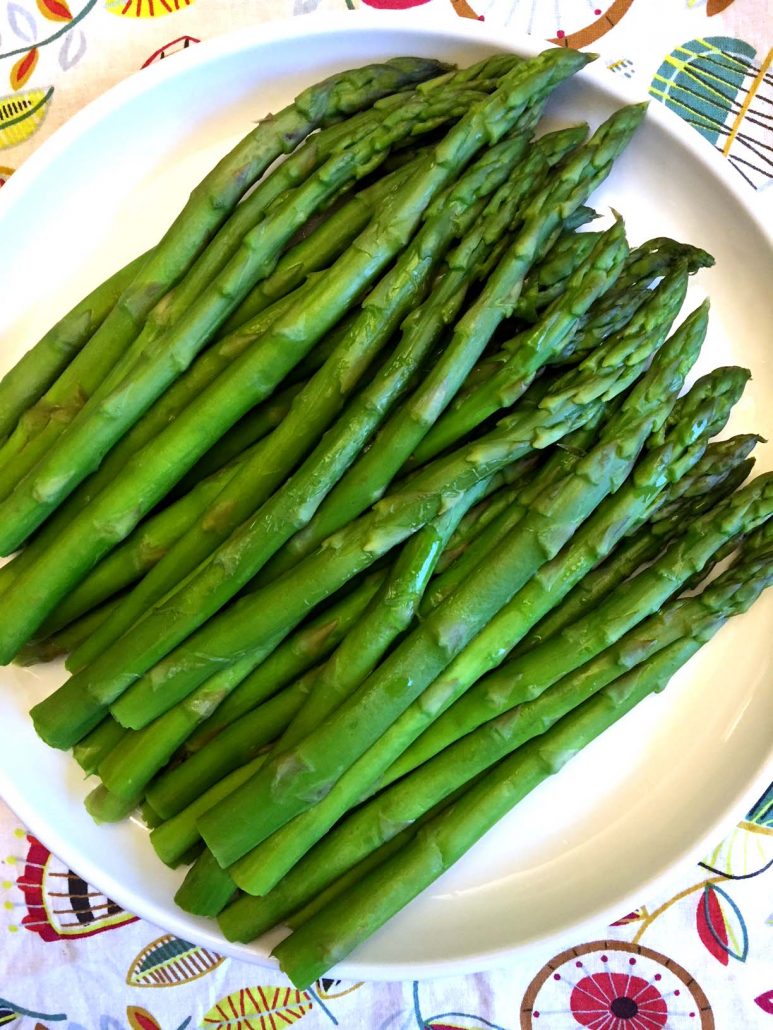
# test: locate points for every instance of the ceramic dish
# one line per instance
(652, 793)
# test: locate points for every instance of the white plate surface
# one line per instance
(659, 787)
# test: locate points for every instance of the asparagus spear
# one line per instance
(206, 889)
(679, 623)
(547, 281)
(253, 623)
(722, 470)
(291, 272)
(593, 541)
(175, 837)
(97, 744)
(380, 314)
(574, 498)
(46, 649)
(535, 347)
(236, 389)
(251, 428)
(104, 807)
(208, 207)
(389, 614)
(611, 313)
(309, 770)
(558, 465)
(40, 367)
(567, 326)
(252, 690)
(251, 679)
(141, 550)
(114, 410)
(502, 489)
(399, 437)
(648, 262)
(130, 766)
(281, 449)
(334, 932)
(313, 641)
(528, 675)
(50, 534)
(241, 742)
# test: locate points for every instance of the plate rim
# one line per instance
(383, 22)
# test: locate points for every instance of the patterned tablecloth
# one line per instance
(701, 957)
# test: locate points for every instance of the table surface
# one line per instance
(701, 955)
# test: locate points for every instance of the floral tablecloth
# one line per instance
(701, 956)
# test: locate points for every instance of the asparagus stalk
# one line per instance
(547, 281)
(50, 534)
(46, 649)
(612, 312)
(97, 744)
(592, 542)
(389, 615)
(236, 389)
(535, 347)
(252, 690)
(115, 410)
(723, 468)
(498, 381)
(174, 838)
(646, 263)
(528, 675)
(558, 465)
(40, 367)
(312, 643)
(601, 472)
(141, 550)
(288, 782)
(680, 623)
(291, 272)
(104, 807)
(238, 744)
(206, 889)
(250, 429)
(335, 931)
(502, 489)
(369, 477)
(381, 313)
(254, 622)
(130, 766)
(281, 450)
(208, 207)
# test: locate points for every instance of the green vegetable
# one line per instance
(528, 675)
(721, 470)
(240, 386)
(535, 347)
(683, 623)
(550, 520)
(40, 367)
(334, 931)
(311, 643)
(542, 222)
(115, 409)
(208, 207)
(314, 409)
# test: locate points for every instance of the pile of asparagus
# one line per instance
(370, 495)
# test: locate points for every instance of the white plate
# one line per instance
(659, 787)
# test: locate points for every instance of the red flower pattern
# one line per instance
(618, 1001)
